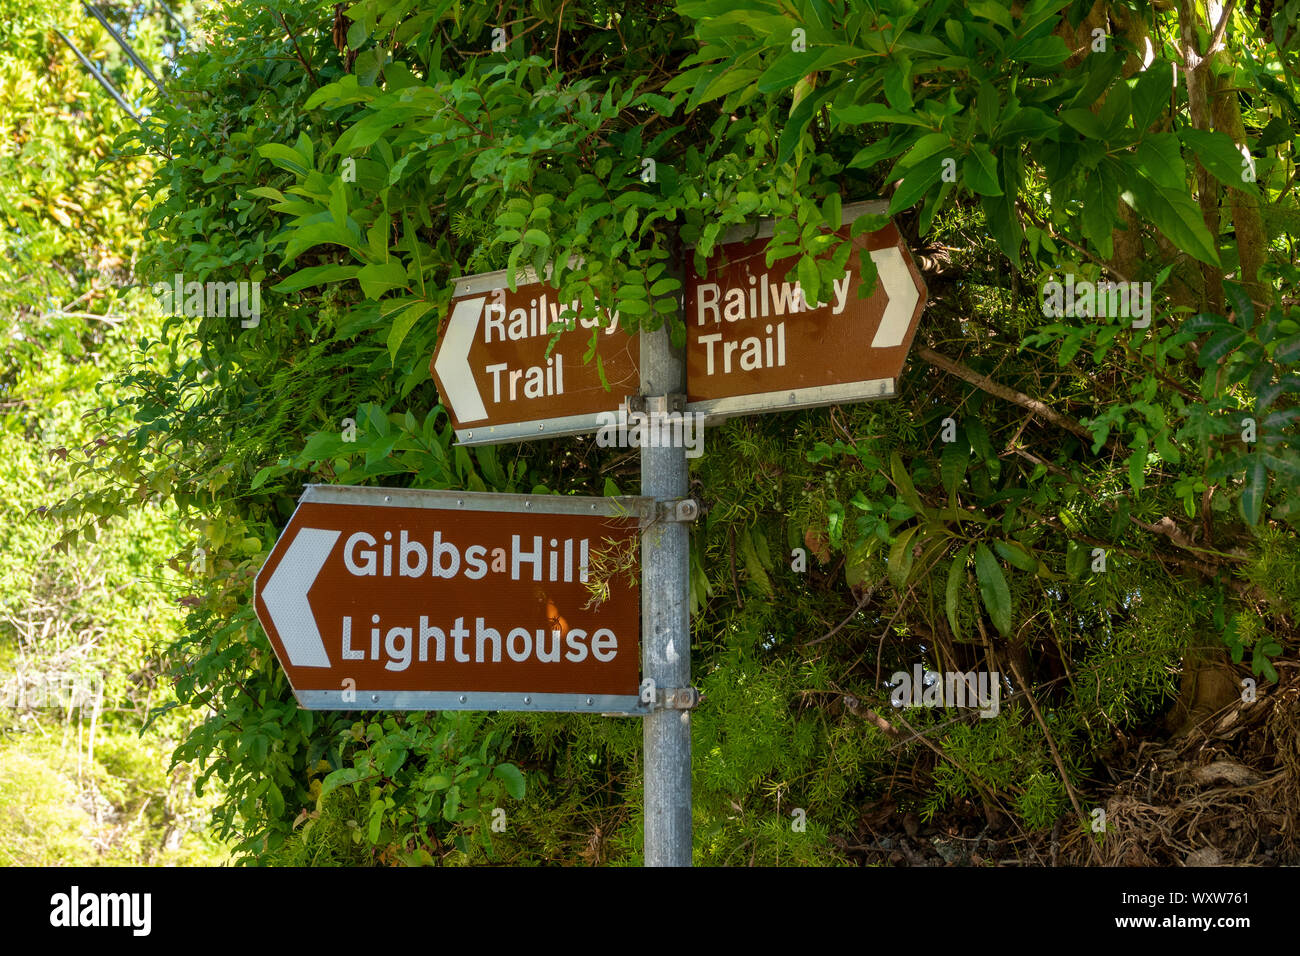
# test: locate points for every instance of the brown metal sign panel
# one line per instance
(496, 378)
(393, 599)
(754, 344)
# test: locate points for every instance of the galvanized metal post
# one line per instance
(665, 621)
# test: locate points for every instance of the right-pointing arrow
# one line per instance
(286, 596)
(897, 281)
(452, 364)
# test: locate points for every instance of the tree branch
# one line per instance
(986, 384)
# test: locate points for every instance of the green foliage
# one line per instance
(85, 616)
(1050, 500)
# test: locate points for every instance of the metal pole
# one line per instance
(665, 616)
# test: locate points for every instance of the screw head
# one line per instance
(590, 701)
(469, 434)
(462, 698)
(528, 700)
(375, 698)
(388, 497)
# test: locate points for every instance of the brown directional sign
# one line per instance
(496, 378)
(392, 599)
(754, 344)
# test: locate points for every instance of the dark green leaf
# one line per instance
(993, 589)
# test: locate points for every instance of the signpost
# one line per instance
(388, 599)
(494, 373)
(754, 345)
(393, 599)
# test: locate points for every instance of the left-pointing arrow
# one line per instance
(452, 364)
(286, 596)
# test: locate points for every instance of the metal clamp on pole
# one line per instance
(677, 509)
(676, 698)
(655, 404)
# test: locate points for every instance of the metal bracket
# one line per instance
(676, 698)
(655, 404)
(677, 509)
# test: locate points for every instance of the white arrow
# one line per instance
(902, 292)
(452, 363)
(286, 596)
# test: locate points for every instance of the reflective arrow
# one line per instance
(452, 365)
(286, 596)
(896, 279)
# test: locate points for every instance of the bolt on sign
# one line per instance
(397, 599)
(754, 344)
(496, 377)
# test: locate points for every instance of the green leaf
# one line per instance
(275, 801)
(980, 171)
(1152, 93)
(1028, 123)
(993, 589)
(1004, 224)
(379, 277)
(832, 211)
(1175, 214)
(1137, 466)
(1255, 489)
(402, 325)
(898, 84)
(316, 275)
(792, 66)
(262, 475)
(1161, 161)
(513, 778)
(311, 234)
(284, 157)
(952, 465)
(994, 11)
(1287, 350)
(915, 184)
(321, 445)
(1086, 122)
(1220, 155)
(1219, 345)
(903, 481)
(901, 556)
(859, 114)
(1205, 322)
(1043, 52)
(857, 560)
(1277, 131)
(978, 436)
(925, 147)
(809, 279)
(952, 595)
(1017, 555)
